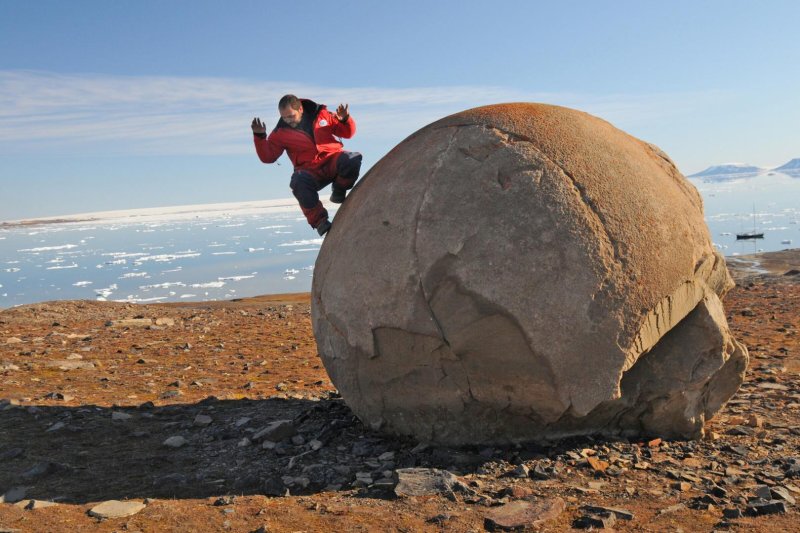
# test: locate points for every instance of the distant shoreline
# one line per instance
(152, 214)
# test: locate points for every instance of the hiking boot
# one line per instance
(338, 195)
(323, 227)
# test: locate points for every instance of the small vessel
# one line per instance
(750, 234)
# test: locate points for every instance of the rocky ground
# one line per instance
(220, 417)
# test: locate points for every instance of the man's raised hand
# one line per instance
(258, 126)
(342, 113)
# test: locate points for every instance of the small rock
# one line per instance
(766, 508)
(242, 421)
(595, 521)
(13, 340)
(521, 471)
(315, 444)
(202, 420)
(132, 323)
(165, 322)
(596, 464)
(276, 431)
(244, 443)
(32, 505)
(56, 427)
(781, 493)
(117, 415)
(74, 357)
(619, 513)
(732, 513)
(523, 514)
(424, 482)
(224, 500)
(115, 509)
(13, 495)
(175, 442)
(386, 456)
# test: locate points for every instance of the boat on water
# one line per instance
(750, 234)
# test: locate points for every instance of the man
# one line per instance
(308, 133)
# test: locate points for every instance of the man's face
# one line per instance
(292, 116)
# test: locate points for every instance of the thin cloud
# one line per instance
(201, 115)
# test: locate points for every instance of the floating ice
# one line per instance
(12, 270)
(291, 271)
(188, 296)
(62, 267)
(162, 285)
(274, 227)
(166, 258)
(106, 292)
(81, 283)
(172, 270)
(209, 285)
(237, 278)
(786, 241)
(255, 249)
(288, 277)
(223, 253)
(117, 262)
(49, 248)
(305, 242)
(133, 275)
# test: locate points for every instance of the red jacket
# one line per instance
(306, 153)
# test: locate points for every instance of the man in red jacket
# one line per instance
(309, 133)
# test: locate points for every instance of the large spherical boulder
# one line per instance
(524, 272)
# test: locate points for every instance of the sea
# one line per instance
(228, 251)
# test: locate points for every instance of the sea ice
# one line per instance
(305, 242)
(223, 253)
(133, 275)
(12, 270)
(81, 283)
(237, 278)
(62, 267)
(49, 248)
(255, 249)
(209, 285)
(162, 285)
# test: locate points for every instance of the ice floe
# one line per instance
(209, 285)
(81, 283)
(223, 253)
(63, 267)
(238, 278)
(129, 275)
(49, 248)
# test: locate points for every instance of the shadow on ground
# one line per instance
(89, 453)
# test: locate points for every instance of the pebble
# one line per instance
(56, 427)
(116, 509)
(32, 505)
(175, 442)
(118, 415)
(276, 431)
(13, 340)
(202, 420)
(424, 482)
(524, 514)
(165, 322)
(13, 495)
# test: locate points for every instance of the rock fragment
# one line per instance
(523, 514)
(116, 509)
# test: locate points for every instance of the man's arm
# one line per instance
(344, 126)
(267, 150)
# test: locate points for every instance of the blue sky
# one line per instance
(116, 105)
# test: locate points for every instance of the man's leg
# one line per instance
(305, 187)
(348, 167)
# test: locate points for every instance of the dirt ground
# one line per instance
(175, 406)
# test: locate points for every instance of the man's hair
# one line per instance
(289, 100)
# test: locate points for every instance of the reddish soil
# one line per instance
(67, 367)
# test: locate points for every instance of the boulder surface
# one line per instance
(524, 272)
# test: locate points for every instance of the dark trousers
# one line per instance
(341, 170)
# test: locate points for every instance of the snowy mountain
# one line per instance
(731, 169)
(791, 166)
